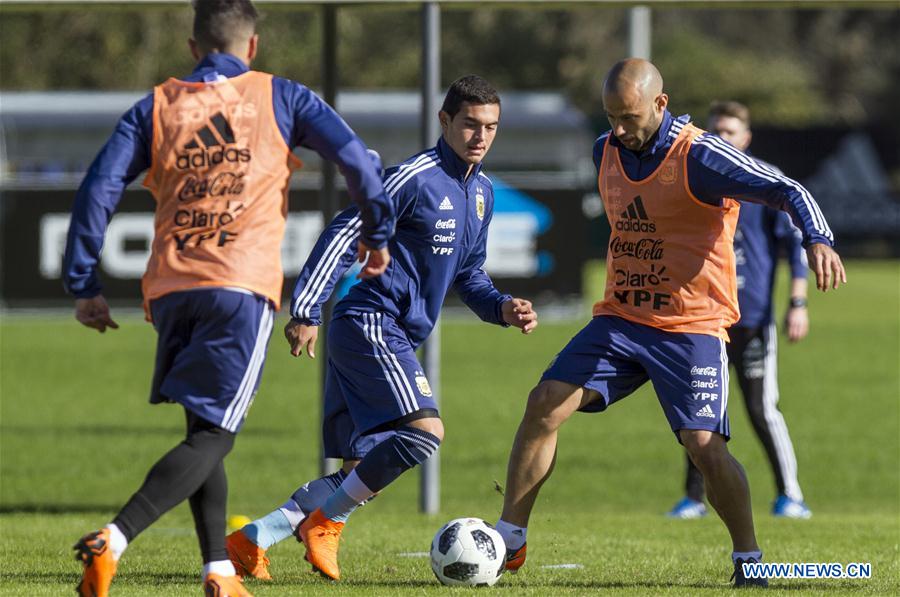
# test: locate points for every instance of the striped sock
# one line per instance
(388, 460)
(347, 498)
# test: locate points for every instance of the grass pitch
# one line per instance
(78, 437)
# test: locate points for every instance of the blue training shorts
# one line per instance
(373, 379)
(614, 357)
(210, 353)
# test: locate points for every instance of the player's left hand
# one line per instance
(519, 313)
(796, 323)
(826, 263)
(375, 261)
(301, 336)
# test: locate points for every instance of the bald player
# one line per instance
(671, 193)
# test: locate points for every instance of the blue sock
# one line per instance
(381, 466)
(339, 506)
(280, 524)
(313, 494)
(269, 530)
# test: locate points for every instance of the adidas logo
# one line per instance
(445, 204)
(706, 411)
(208, 147)
(635, 218)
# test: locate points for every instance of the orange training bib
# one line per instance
(670, 262)
(220, 175)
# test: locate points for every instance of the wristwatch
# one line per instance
(798, 302)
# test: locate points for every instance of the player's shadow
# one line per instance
(398, 584)
(58, 508)
(105, 431)
(130, 431)
(149, 578)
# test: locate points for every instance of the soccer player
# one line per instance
(761, 233)
(670, 191)
(217, 144)
(380, 417)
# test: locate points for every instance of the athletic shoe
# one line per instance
(785, 507)
(94, 553)
(216, 585)
(741, 581)
(248, 558)
(321, 536)
(516, 560)
(687, 509)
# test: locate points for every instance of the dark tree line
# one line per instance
(793, 67)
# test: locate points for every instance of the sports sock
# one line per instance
(220, 567)
(513, 536)
(269, 530)
(278, 525)
(341, 504)
(406, 448)
(746, 555)
(293, 513)
(117, 541)
(313, 494)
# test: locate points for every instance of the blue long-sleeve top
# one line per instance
(760, 236)
(303, 119)
(716, 169)
(440, 241)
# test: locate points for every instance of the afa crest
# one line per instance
(668, 172)
(422, 384)
(479, 204)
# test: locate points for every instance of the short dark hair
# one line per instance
(219, 23)
(732, 109)
(472, 89)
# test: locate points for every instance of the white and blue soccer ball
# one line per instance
(468, 552)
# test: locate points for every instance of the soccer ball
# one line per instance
(468, 552)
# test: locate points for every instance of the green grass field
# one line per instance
(78, 437)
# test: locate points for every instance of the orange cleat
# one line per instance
(94, 553)
(516, 560)
(216, 585)
(248, 558)
(321, 536)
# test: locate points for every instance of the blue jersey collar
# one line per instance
(661, 139)
(215, 63)
(454, 165)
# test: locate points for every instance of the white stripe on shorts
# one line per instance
(414, 404)
(371, 333)
(723, 363)
(240, 404)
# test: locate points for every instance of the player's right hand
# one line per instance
(94, 313)
(826, 263)
(375, 260)
(299, 336)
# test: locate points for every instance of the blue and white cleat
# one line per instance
(743, 582)
(785, 507)
(687, 509)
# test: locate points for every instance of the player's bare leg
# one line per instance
(534, 455)
(726, 485)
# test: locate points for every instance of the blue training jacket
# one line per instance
(761, 235)
(440, 241)
(303, 119)
(716, 169)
